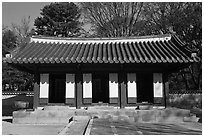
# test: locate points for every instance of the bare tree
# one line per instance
(22, 31)
(116, 19)
(13, 41)
(113, 19)
(186, 20)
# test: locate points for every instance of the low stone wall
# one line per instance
(9, 99)
(9, 94)
(185, 101)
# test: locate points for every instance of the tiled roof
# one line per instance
(150, 49)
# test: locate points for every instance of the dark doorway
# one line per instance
(145, 87)
(57, 89)
(100, 88)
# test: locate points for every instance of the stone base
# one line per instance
(57, 108)
(62, 115)
(42, 116)
(131, 115)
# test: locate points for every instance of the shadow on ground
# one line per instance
(8, 104)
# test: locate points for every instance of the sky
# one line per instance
(13, 12)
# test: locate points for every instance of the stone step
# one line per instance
(99, 104)
(78, 126)
(191, 119)
(63, 107)
(101, 107)
(144, 107)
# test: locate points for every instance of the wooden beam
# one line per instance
(21, 67)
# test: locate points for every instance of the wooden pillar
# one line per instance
(166, 89)
(36, 90)
(122, 89)
(79, 90)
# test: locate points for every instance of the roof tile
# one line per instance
(149, 50)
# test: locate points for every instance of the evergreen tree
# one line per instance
(58, 19)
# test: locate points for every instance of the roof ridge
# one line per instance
(103, 38)
(100, 40)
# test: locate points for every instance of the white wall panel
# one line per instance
(113, 85)
(44, 85)
(158, 85)
(132, 86)
(87, 85)
(70, 86)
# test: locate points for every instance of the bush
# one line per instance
(185, 101)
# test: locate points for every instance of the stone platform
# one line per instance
(132, 115)
(64, 114)
(48, 115)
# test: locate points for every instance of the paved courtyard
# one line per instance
(104, 123)
(9, 128)
(110, 127)
(103, 126)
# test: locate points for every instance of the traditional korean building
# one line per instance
(118, 71)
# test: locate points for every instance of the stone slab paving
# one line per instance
(26, 129)
(120, 127)
(101, 127)
(78, 126)
(104, 122)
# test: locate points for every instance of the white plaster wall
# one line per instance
(70, 85)
(87, 85)
(132, 86)
(113, 85)
(158, 85)
(44, 85)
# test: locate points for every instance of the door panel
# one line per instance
(57, 89)
(96, 90)
(100, 88)
(144, 87)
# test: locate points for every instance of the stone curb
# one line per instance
(65, 129)
(88, 129)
